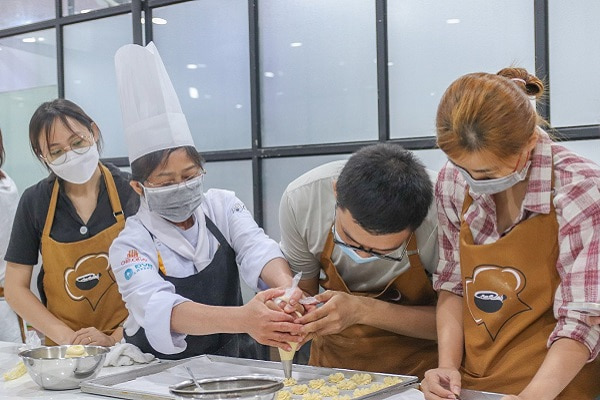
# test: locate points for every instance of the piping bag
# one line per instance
(288, 356)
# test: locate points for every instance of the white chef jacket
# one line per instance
(133, 256)
(9, 199)
(306, 215)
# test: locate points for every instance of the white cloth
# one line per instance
(305, 218)
(126, 354)
(9, 199)
(148, 297)
(152, 116)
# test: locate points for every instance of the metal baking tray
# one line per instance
(152, 382)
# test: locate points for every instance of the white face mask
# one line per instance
(175, 203)
(78, 168)
(496, 185)
(354, 256)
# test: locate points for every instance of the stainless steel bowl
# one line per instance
(258, 387)
(51, 369)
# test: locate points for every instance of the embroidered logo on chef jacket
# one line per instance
(238, 207)
(136, 264)
(492, 295)
(89, 279)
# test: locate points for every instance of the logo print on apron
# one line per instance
(492, 296)
(89, 279)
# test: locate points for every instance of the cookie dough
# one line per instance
(329, 391)
(337, 377)
(316, 383)
(346, 384)
(361, 392)
(341, 397)
(391, 380)
(300, 389)
(362, 379)
(284, 395)
(312, 396)
(289, 382)
(76, 350)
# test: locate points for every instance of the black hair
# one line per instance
(143, 167)
(2, 154)
(47, 113)
(385, 188)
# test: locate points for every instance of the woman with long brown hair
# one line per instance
(519, 234)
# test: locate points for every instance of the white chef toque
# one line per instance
(152, 116)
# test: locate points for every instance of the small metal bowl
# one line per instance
(258, 387)
(50, 368)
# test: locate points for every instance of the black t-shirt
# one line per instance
(28, 225)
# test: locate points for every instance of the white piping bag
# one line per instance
(288, 356)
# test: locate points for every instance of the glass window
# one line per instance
(277, 174)
(204, 45)
(231, 175)
(574, 34)
(433, 159)
(585, 148)
(27, 79)
(432, 43)
(89, 52)
(24, 12)
(71, 7)
(318, 71)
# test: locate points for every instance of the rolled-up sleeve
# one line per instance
(149, 298)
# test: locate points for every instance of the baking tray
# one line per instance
(152, 382)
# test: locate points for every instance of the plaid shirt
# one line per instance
(577, 205)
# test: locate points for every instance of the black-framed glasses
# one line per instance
(371, 253)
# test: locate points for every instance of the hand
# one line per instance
(339, 311)
(92, 336)
(268, 326)
(437, 382)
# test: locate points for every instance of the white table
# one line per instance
(25, 388)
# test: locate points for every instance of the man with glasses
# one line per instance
(365, 231)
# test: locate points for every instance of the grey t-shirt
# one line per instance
(306, 216)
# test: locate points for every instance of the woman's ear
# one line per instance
(95, 131)
(137, 187)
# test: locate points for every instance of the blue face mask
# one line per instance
(352, 253)
(496, 185)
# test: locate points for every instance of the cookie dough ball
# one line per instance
(346, 384)
(76, 350)
(284, 395)
(316, 383)
(300, 389)
(341, 397)
(329, 391)
(337, 377)
(289, 382)
(377, 386)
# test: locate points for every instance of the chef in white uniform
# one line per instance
(179, 259)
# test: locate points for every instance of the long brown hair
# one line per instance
(1, 155)
(491, 112)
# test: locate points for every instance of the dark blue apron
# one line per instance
(217, 285)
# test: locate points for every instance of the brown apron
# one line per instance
(367, 348)
(78, 282)
(508, 298)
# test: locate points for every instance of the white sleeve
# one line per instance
(9, 198)
(253, 248)
(148, 297)
(293, 244)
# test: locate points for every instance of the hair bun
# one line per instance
(531, 84)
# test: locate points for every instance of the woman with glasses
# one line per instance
(519, 234)
(9, 198)
(179, 260)
(71, 218)
(365, 230)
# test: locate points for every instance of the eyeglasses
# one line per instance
(187, 181)
(370, 252)
(78, 144)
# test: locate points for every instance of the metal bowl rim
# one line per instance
(27, 353)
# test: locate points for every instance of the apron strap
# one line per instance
(113, 196)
